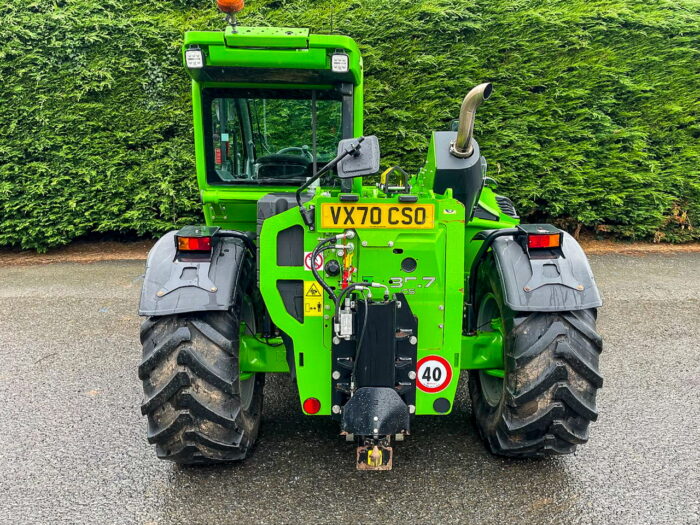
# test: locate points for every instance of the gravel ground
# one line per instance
(73, 447)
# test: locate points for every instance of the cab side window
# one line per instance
(227, 139)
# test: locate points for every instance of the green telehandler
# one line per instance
(373, 298)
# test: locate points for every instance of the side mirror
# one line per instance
(364, 161)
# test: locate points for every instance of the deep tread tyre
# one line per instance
(547, 400)
(199, 411)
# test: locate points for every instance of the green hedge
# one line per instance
(593, 121)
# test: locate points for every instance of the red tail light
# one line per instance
(312, 405)
(194, 244)
(544, 241)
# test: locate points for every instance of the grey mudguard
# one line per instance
(173, 286)
(546, 285)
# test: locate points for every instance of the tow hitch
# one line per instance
(372, 416)
(375, 454)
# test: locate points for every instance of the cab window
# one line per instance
(271, 136)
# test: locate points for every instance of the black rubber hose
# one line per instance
(358, 348)
(315, 273)
(265, 342)
(488, 238)
(239, 235)
(320, 248)
(342, 295)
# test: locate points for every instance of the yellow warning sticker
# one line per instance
(313, 299)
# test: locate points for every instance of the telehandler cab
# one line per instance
(372, 297)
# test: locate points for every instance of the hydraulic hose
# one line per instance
(361, 338)
(487, 236)
(321, 248)
(239, 235)
(350, 288)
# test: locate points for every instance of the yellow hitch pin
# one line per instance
(374, 457)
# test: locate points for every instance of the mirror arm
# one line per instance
(305, 214)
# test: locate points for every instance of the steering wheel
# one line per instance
(304, 151)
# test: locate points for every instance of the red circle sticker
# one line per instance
(434, 374)
(318, 261)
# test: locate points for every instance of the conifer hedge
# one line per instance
(593, 122)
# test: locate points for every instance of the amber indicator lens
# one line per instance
(194, 244)
(544, 241)
(230, 6)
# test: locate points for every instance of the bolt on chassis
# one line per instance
(373, 298)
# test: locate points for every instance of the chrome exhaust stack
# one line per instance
(462, 147)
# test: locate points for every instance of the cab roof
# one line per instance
(272, 54)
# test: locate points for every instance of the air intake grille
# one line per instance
(507, 206)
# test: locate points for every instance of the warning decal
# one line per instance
(434, 374)
(313, 299)
(307, 261)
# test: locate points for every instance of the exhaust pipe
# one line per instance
(461, 147)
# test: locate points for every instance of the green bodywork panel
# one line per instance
(257, 356)
(267, 37)
(435, 290)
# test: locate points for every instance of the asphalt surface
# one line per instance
(73, 447)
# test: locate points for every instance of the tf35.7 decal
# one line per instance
(409, 284)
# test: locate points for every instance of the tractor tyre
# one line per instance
(200, 409)
(547, 398)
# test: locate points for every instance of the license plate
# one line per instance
(384, 215)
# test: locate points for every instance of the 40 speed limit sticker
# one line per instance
(434, 374)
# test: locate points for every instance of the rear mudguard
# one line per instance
(558, 284)
(173, 286)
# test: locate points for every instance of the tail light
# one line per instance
(541, 236)
(195, 239)
(194, 244)
(544, 241)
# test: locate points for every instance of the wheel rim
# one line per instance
(247, 388)
(247, 379)
(489, 320)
